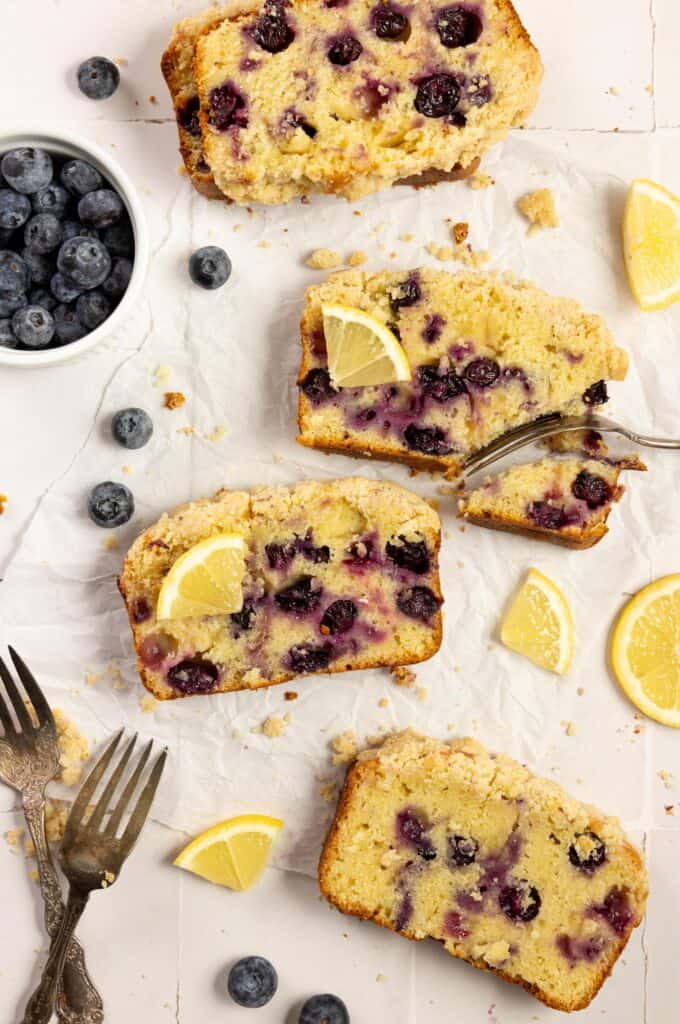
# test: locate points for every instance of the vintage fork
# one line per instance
(556, 424)
(29, 759)
(92, 856)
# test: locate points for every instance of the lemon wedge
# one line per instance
(205, 580)
(362, 351)
(645, 650)
(538, 624)
(651, 244)
(233, 853)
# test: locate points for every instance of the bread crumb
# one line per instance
(216, 434)
(328, 792)
(148, 703)
(74, 750)
(290, 695)
(274, 726)
(422, 693)
(3, 502)
(357, 258)
(323, 259)
(161, 375)
(440, 252)
(539, 209)
(403, 675)
(479, 181)
(408, 237)
(383, 702)
(460, 231)
(344, 747)
(173, 399)
(666, 777)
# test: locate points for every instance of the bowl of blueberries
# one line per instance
(73, 247)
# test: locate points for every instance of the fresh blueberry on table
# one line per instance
(110, 504)
(15, 209)
(43, 233)
(79, 177)
(63, 289)
(27, 170)
(85, 261)
(101, 208)
(210, 267)
(98, 78)
(92, 308)
(33, 326)
(132, 427)
(252, 982)
(324, 1009)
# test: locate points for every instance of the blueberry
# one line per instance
(71, 228)
(187, 116)
(27, 170)
(33, 326)
(41, 297)
(92, 309)
(482, 372)
(458, 26)
(243, 620)
(442, 387)
(252, 982)
(10, 302)
(53, 198)
(303, 595)
(427, 440)
(433, 328)
(193, 675)
(67, 326)
(305, 658)
(409, 294)
(40, 266)
(616, 911)
(15, 209)
(98, 78)
(132, 428)
(85, 261)
(317, 386)
(228, 108)
(588, 856)
(140, 610)
(520, 901)
(119, 238)
(389, 23)
(271, 31)
(5, 237)
(547, 516)
(461, 851)
(324, 1009)
(418, 603)
(116, 283)
(596, 394)
(437, 95)
(7, 339)
(339, 617)
(344, 50)
(63, 289)
(210, 267)
(101, 208)
(14, 275)
(412, 829)
(409, 554)
(79, 177)
(43, 233)
(592, 489)
(110, 504)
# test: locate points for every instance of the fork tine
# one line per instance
(37, 697)
(5, 717)
(88, 788)
(125, 797)
(16, 699)
(141, 811)
(98, 813)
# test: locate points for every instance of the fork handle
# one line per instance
(77, 999)
(41, 1004)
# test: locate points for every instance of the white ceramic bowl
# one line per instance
(67, 144)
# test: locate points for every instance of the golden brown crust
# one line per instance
(577, 540)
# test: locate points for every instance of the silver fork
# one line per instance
(556, 424)
(92, 856)
(29, 759)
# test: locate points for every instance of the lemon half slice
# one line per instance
(362, 351)
(651, 244)
(205, 580)
(539, 624)
(233, 853)
(645, 650)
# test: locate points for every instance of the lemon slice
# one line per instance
(539, 624)
(233, 853)
(651, 244)
(362, 351)
(205, 580)
(645, 650)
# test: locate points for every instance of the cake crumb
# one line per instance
(403, 675)
(344, 747)
(380, 978)
(187, 431)
(274, 726)
(127, 470)
(569, 728)
(669, 809)
(328, 792)
(3, 502)
(173, 399)
(13, 836)
(115, 676)
(108, 879)
(666, 777)
(408, 237)
(148, 703)
(290, 695)
(460, 231)
(161, 375)
(580, 691)
(649, 88)
(422, 693)
(216, 434)
(443, 253)
(539, 209)
(122, 62)
(264, 244)
(92, 678)
(357, 258)
(383, 702)
(74, 750)
(110, 543)
(479, 181)
(152, 99)
(613, 91)
(323, 259)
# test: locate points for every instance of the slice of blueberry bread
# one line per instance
(350, 96)
(486, 355)
(340, 575)
(177, 65)
(446, 841)
(564, 501)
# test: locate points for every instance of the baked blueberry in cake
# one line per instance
(338, 575)
(302, 96)
(565, 501)
(486, 355)
(446, 841)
